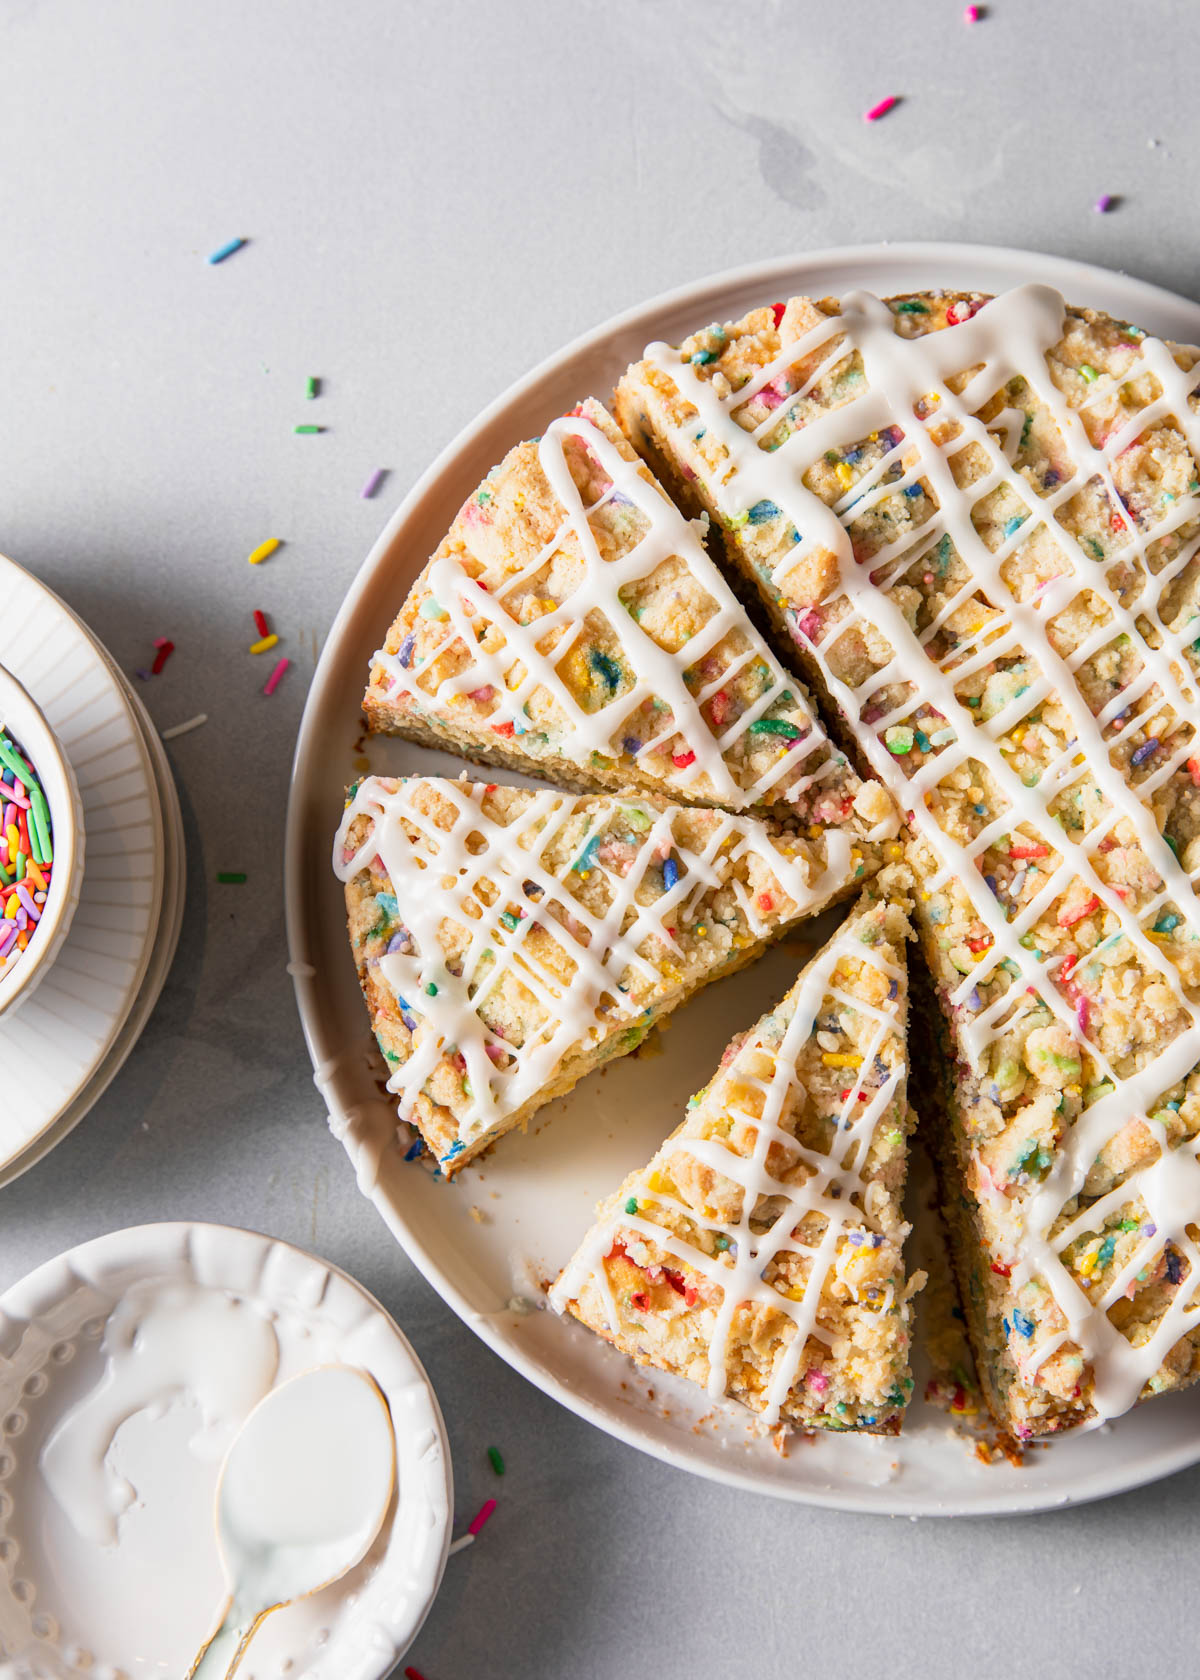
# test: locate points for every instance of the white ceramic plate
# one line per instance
(54, 1045)
(534, 1196)
(51, 1359)
(164, 940)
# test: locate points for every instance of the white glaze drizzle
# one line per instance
(737, 1272)
(658, 673)
(435, 875)
(1010, 336)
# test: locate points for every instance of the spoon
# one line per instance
(302, 1494)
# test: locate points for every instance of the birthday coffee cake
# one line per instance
(972, 527)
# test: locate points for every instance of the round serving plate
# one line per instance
(163, 943)
(73, 1594)
(490, 1239)
(54, 1045)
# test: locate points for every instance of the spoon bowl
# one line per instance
(302, 1494)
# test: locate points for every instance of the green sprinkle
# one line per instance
(899, 740)
(12, 760)
(911, 306)
(701, 358)
(1089, 373)
(312, 387)
(510, 921)
(721, 1243)
(232, 877)
(631, 1206)
(307, 431)
(39, 812)
(496, 1462)
(431, 990)
(775, 726)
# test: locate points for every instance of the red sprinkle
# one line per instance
(683, 759)
(1001, 1271)
(1068, 918)
(778, 310)
(504, 729)
(1028, 851)
(413, 1674)
(481, 1516)
(260, 623)
(882, 109)
(165, 650)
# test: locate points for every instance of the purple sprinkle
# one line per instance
(406, 650)
(144, 676)
(1145, 751)
(1106, 202)
(398, 942)
(8, 932)
(373, 483)
(26, 900)
(631, 744)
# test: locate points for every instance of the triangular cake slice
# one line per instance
(979, 521)
(759, 1254)
(571, 626)
(510, 941)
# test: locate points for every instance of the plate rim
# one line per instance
(1062, 272)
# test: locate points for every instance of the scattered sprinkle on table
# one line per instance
(264, 551)
(481, 1516)
(307, 431)
(26, 852)
(373, 483)
(973, 14)
(882, 109)
(312, 387)
(497, 1463)
(413, 1674)
(464, 1540)
(184, 728)
(265, 645)
(1105, 203)
(260, 623)
(226, 250)
(165, 649)
(231, 877)
(273, 681)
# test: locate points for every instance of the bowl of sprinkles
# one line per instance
(41, 844)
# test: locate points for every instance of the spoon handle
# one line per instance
(219, 1656)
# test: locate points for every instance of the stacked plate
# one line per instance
(62, 1048)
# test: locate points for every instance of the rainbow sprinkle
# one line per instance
(264, 551)
(273, 681)
(481, 1516)
(973, 14)
(226, 250)
(265, 644)
(882, 109)
(26, 852)
(312, 387)
(1105, 203)
(307, 431)
(184, 728)
(496, 1462)
(231, 877)
(373, 483)
(260, 623)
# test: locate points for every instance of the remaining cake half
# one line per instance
(759, 1252)
(572, 626)
(979, 523)
(508, 941)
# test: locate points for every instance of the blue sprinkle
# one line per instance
(387, 903)
(631, 745)
(456, 1148)
(1174, 1266)
(1022, 1323)
(587, 857)
(415, 1149)
(670, 873)
(1013, 525)
(913, 491)
(701, 358)
(761, 512)
(406, 651)
(226, 250)
(605, 667)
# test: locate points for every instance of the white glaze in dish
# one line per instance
(292, 1312)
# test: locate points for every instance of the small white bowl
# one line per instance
(21, 719)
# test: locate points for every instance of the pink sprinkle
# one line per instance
(1105, 203)
(482, 695)
(882, 109)
(484, 1512)
(973, 14)
(272, 682)
(373, 483)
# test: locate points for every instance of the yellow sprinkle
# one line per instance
(702, 932)
(836, 1058)
(1017, 736)
(11, 908)
(794, 1294)
(264, 550)
(1156, 934)
(267, 642)
(844, 475)
(893, 850)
